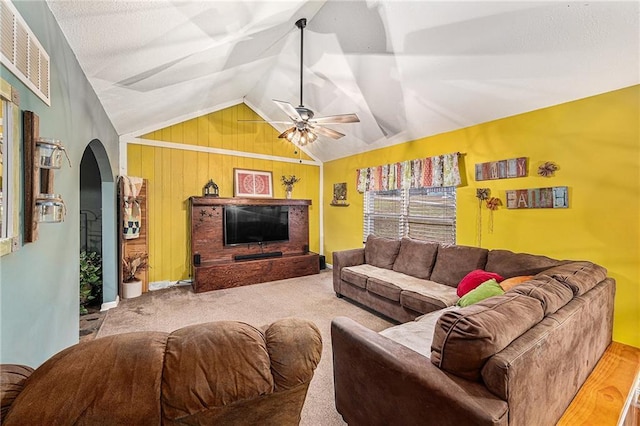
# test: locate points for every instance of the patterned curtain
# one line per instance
(441, 170)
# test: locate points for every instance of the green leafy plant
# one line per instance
(132, 264)
(90, 278)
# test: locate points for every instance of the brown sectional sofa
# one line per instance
(514, 359)
(224, 373)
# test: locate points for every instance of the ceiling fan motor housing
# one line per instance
(305, 113)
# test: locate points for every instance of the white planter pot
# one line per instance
(132, 289)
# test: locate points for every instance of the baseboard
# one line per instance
(329, 266)
(110, 305)
(159, 285)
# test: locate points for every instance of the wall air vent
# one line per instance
(22, 53)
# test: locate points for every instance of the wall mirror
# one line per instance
(9, 168)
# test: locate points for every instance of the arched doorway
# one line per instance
(98, 229)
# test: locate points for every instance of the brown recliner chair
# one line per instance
(224, 373)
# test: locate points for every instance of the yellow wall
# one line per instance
(175, 175)
(596, 143)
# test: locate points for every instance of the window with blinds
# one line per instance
(421, 213)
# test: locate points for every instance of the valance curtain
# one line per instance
(441, 170)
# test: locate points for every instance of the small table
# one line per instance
(602, 397)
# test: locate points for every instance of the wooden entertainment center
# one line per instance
(216, 265)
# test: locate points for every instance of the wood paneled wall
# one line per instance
(174, 175)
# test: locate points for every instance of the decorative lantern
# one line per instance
(210, 189)
(50, 208)
(49, 152)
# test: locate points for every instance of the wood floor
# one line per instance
(602, 397)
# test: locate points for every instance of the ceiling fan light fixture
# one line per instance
(295, 139)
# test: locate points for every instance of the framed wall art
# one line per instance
(339, 194)
(252, 183)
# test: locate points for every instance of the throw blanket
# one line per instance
(132, 215)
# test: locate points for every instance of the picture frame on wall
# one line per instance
(252, 183)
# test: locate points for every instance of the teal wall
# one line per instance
(39, 282)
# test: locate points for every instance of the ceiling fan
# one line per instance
(305, 127)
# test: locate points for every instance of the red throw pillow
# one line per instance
(473, 279)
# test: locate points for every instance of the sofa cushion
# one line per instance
(356, 275)
(84, 379)
(416, 258)
(426, 296)
(454, 262)
(485, 290)
(416, 335)
(510, 283)
(384, 288)
(237, 367)
(510, 264)
(473, 279)
(551, 293)
(580, 277)
(464, 339)
(381, 252)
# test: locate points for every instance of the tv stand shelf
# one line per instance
(218, 275)
(216, 266)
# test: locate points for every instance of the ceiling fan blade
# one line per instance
(285, 134)
(327, 132)
(289, 110)
(336, 119)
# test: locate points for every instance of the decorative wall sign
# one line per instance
(503, 169)
(538, 198)
(252, 183)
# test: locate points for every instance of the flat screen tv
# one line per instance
(255, 224)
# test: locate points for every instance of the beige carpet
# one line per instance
(306, 297)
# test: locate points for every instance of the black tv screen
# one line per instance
(255, 224)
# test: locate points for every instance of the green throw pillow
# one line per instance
(483, 291)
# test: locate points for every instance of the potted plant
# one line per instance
(131, 265)
(90, 278)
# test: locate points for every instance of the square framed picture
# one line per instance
(252, 183)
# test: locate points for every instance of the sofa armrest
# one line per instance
(343, 259)
(295, 348)
(381, 382)
(12, 380)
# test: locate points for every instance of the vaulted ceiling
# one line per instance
(409, 69)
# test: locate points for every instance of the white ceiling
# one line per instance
(409, 69)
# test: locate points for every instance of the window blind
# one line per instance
(421, 213)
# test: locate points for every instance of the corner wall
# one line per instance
(174, 175)
(596, 143)
(39, 284)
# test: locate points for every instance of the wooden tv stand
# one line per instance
(214, 265)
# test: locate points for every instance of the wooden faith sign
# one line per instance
(503, 169)
(556, 197)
